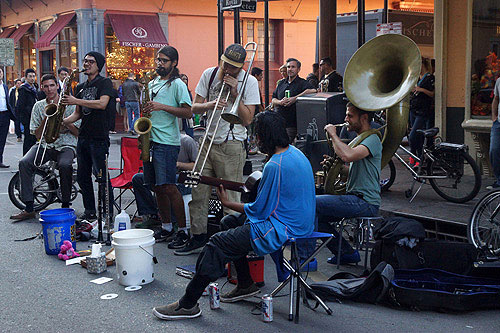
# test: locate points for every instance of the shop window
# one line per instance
(121, 60)
(485, 56)
(254, 32)
(68, 47)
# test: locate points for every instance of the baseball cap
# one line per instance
(235, 55)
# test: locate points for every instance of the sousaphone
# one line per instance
(380, 76)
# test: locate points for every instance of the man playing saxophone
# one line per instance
(61, 151)
(169, 100)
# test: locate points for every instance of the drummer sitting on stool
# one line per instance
(284, 208)
(363, 188)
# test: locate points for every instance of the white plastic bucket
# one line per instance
(134, 256)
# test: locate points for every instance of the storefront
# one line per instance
(131, 43)
(467, 49)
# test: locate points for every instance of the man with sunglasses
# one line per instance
(169, 100)
(227, 155)
(92, 98)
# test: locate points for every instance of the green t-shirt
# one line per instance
(364, 174)
(165, 126)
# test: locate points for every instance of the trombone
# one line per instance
(230, 116)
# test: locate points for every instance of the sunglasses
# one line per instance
(163, 60)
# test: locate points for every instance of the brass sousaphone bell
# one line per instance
(379, 76)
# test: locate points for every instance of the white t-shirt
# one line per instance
(497, 93)
(250, 96)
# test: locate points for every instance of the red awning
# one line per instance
(138, 30)
(6, 32)
(54, 30)
(19, 33)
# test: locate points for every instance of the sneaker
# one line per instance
(149, 223)
(179, 241)
(162, 235)
(192, 246)
(19, 139)
(345, 259)
(493, 186)
(174, 312)
(88, 217)
(237, 294)
(23, 215)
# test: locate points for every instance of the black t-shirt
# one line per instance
(334, 82)
(94, 122)
(420, 103)
(297, 86)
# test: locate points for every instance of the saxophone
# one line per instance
(143, 125)
(55, 113)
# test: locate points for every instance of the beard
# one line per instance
(162, 71)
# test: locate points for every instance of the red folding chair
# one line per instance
(130, 164)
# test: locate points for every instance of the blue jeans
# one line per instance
(331, 208)
(146, 203)
(133, 113)
(495, 150)
(91, 157)
(415, 139)
(162, 170)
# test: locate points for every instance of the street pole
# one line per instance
(266, 51)
(220, 29)
(386, 12)
(237, 37)
(361, 22)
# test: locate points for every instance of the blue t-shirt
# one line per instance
(286, 202)
(165, 125)
(364, 174)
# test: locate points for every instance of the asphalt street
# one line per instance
(40, 294)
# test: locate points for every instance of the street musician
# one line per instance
(62, 151)
(227, 156)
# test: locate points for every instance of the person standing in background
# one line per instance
(187, 124)
(25, 101)
(313, 78)
(495, 138)
(132, 92)
(6, 115)
(13, 96)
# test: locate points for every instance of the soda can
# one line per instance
(267, 308)
(213, 290)
(287, 93)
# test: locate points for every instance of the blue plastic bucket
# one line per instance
(58, 225)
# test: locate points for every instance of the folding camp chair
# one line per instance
(130, 164)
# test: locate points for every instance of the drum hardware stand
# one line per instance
(106, 203)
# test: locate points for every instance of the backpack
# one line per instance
(454, 257)
(344, 285)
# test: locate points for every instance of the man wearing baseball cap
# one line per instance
(227, 155)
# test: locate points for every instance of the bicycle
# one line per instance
(483, 229)
(46, 189)
(448, 167)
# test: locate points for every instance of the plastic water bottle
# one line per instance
(122, 221)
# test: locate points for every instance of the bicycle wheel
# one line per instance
(483, 230)
(43, 190)
(459, 184)
(387, 176)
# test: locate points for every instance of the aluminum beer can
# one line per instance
(213, 290)
(287, 93)
(267, 308)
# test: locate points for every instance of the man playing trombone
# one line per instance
(62, 151)
(226, 157)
